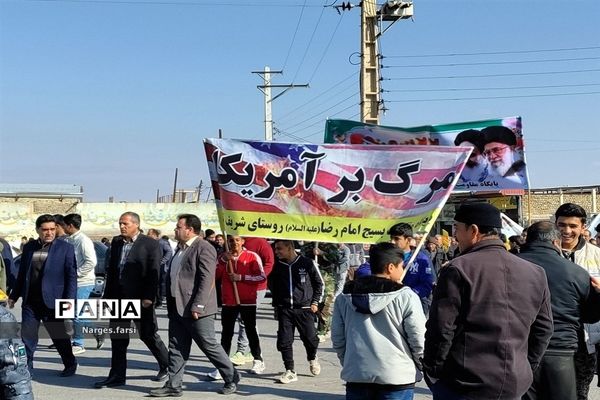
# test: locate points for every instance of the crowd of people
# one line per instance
(475, 318)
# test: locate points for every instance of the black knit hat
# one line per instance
(499, 134)
(480, 214)
(472, 136)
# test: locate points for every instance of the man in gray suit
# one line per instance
(191, 306)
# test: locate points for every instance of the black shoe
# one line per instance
(52, 346)
(162, 375)
(99, 341)
(68, 371)
(111, 381)
(231, 387)
(166, 391)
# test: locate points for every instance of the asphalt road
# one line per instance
(94, 365)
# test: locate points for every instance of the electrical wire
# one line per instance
(322, 112)
(494, 75)
(321, 132)
(320, 94)
(294, 36)
(312, 36)
(491, 63)
(490, 88)
(486, 53)
(326, 48)
(320, 122)
(333, 96)
(494, 97)
(178, 3)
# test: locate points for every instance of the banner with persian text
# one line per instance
(496, 163)
(329, 193)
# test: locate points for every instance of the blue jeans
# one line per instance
(442, 392)
(83, 293)
(373, 391)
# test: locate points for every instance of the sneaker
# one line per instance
(315, 366)
(214, 375)
(324, 337)
(288, 377)
(78, 350)
(240, 358)
(99, 341)
(231, 387)
(258, 367)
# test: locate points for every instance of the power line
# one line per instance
(179, 3)
(322, 112)
(493, 75)
(490, 88)
(350, 117)
(312, 36)
(318, 122)
(331, 97)
(494, 97)
(294, 36)
(491, 63)
(326, 48)
(320, 94)
(486, 53)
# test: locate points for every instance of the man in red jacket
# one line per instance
(261, 247)
(240, 272)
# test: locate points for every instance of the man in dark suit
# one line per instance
(47, 273)
(132, 273)
(192, 305)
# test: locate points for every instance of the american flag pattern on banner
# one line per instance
(362, 165)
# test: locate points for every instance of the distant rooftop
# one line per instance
(41, 190)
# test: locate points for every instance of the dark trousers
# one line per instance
(554, 378)
(162, 284)
(585, 367)
(248, 314)
(304, 320)
(147, 327)
(202, 331)
(32, 315)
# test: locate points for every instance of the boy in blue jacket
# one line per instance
(419, 275)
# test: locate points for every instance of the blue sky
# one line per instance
(114, 95)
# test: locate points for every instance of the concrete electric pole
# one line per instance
(266, 89)
(369, 64)
(371, 23)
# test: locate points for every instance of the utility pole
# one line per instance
(371, 22)
(175, 187)
(369, 64)
(266, 89)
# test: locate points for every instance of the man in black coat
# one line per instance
(574, 302)
(132, 273)
(47, 273)
(490, 319)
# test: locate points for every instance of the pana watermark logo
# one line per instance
(97, 309)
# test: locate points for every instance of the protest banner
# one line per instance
(329, 193)
(496, 163)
